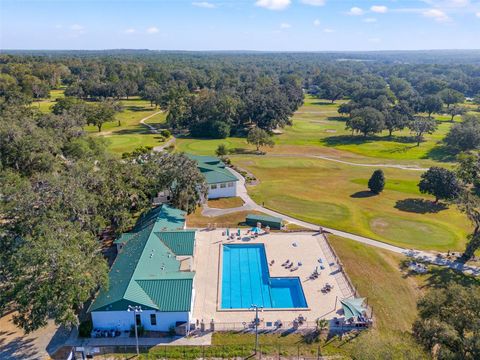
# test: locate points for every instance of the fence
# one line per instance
(241, 351)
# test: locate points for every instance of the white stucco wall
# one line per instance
(221, 192)
(123, 320)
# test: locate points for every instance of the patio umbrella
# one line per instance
(256, 230)
(228, 232)
(353, 308)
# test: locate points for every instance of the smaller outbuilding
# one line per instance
(221, 182)
(275, 223)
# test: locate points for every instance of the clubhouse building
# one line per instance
(153, 270)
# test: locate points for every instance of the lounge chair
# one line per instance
(286, 262)
(294, 269)
(289, 265)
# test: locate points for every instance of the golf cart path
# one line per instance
(327, 158)
(425, 256)
(154, 130)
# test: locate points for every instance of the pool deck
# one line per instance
(279, 247)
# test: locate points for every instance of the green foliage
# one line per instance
(259, 138)
(376, 184)
(165, 133)
(468, 172)
(447, 323)
(456, 110)
(465, 135)
(431, 104)
(222, 150)
(367, 120)
(439, 182)
(450, 96)
(420, 126)
(60, 190)
(85, 328)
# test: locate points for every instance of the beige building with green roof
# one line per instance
(153, 270)
(221, 182)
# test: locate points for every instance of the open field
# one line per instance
(127, 135)
(225, 203)
(131, 134)
(236, 219)
(318, 129)
(336, 195)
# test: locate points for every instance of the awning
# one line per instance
(353, 307)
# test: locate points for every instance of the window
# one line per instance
(223, 185)
(153, 319)
(230, 184)
(213, 187)
(138, 319)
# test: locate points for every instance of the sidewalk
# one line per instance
(415, 254)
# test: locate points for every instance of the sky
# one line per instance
(265, 25)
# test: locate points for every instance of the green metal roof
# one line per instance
(145, 257)
(261, 218)
(213, 169)
(180, 242)
(170, 294)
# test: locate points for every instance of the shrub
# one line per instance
(165, 133)
(376, 183)
(85, 328)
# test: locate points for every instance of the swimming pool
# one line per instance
(246, 280)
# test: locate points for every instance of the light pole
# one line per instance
(136, 310)
(256, 321)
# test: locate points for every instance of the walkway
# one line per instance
(154, 130)
(204, 339)
(327, 158)
(414, 254)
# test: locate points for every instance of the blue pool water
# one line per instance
(246, 280)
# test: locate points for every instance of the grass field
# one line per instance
(225, 203)
(319, 129)
(336, 195)
(129, 133)
(197, 220)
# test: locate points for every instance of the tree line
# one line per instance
(59, 192)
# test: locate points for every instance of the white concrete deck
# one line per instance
(279, 247)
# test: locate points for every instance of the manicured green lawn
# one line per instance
(131, 134)
(335, 195)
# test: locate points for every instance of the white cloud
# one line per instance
(76, 27)
(370, 20)
(327, 30)
(478, 14)
(204, 4)
(273, 4)
(285, 26)
(316, 23)
(381, 9)
(355, 11)
(152, 30)
(436, 14)
(375, 40)
(130, 31)
(313, 2)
